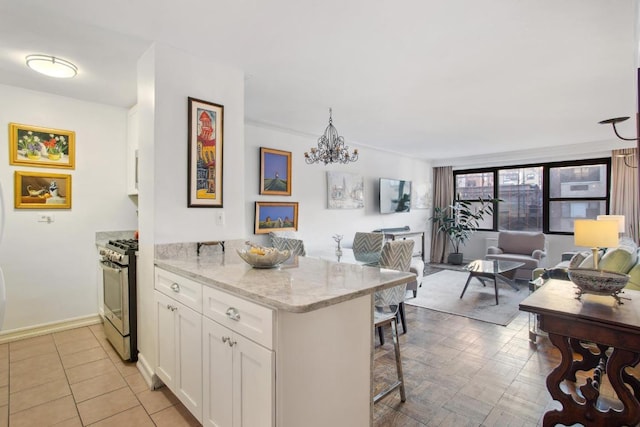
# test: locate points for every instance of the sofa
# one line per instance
(520, 246)
(625, 258)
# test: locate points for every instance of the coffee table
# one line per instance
(494, 270)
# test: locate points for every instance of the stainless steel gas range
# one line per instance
(118, 262)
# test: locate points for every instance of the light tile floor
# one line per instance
(75, 378)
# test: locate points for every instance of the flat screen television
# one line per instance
(395, 195)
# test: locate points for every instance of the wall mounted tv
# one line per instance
(395, 195)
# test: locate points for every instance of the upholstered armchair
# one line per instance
(520, 246)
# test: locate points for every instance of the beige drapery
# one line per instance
(442, 197)
(624, 189)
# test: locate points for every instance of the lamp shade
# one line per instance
(593, 233)
(619, 218)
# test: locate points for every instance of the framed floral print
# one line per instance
(41, 147)
(34, 190)
(276, 216)
(275, 172)
(205, 154)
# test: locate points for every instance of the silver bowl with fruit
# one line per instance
(261, 257)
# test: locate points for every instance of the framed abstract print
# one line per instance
(205, 154)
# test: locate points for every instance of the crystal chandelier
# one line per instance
(331, 148)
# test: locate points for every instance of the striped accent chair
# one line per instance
(396, 255)
(367, 247)
(295, 246)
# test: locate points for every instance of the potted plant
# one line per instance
(459, 221)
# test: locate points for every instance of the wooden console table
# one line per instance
(607, 337)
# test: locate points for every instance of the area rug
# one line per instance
(441, 292)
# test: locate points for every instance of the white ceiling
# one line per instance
(434, 79)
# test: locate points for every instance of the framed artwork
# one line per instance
(34, 190)
(345, 190)
(276, 216)
(421, 198)
(275, 172)
(205, 154)
(41, 147)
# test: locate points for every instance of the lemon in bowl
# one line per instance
(260, 257)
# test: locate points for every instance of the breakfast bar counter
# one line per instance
(289, 346)
(300, 285)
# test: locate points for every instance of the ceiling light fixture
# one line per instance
(331, 148)
(613, 123)
(52, 66)
(625, 158)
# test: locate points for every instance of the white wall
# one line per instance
(51, 269)
(163, 89)
(317, 223)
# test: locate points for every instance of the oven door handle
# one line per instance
(108, 265)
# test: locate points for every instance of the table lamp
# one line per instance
(595, 234)
(619, 218)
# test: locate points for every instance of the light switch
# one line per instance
(220, 218)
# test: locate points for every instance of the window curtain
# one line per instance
(624, 189)
(442, 197)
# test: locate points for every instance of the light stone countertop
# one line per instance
(300, 285)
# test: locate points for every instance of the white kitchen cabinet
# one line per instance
(262, 366)
(179, 351)
(239, 379)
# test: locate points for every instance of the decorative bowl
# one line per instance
(601, 282)
(263, 257)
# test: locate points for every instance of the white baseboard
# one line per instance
(147, 373)
(48, 328)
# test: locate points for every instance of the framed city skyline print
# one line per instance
(206, 123)
(35, 190)
(276, 216)
(41, 147)
(275, 172)
(345, 190)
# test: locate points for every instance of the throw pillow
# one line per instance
(618, 260)
(588, 261)
(577, 259)
(634, 278)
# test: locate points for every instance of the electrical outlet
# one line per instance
(220, 218)
(48, 218)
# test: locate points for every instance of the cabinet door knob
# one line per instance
(171, 307)
(175, 287)
(233, 313)
(229, 341)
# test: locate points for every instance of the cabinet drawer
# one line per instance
(244, 317)
(179, 288)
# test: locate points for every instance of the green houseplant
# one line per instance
(459, 221)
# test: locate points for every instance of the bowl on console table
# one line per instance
(600, 282)
(259, 257)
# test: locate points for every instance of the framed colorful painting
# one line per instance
(275, 172)
(276, 216)
(205, 154)
(41, 147)
(34, 190)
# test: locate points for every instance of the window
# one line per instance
(577, 192)
(545, 197)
